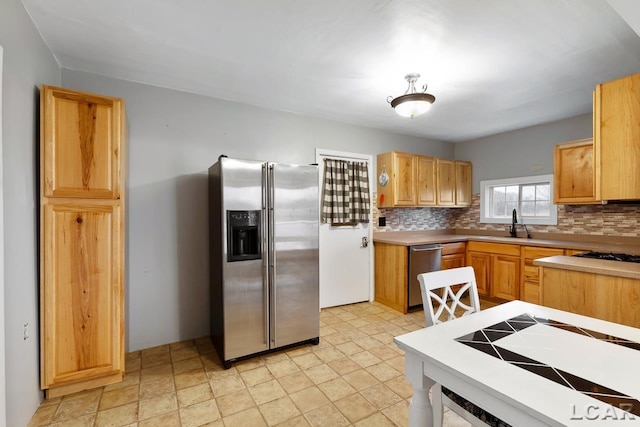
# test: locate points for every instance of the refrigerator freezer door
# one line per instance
(245, 290)
(295, 308)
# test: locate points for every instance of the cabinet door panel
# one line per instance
(574, 172)
(81, 144)
(531, 292)
(426, 185)
(82, 329)
(452, 261)
(481, 264)
(446, 183)
(404, 180)
(463, 183)
(505, 277)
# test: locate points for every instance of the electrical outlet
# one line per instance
(25, 331)
(382, 221)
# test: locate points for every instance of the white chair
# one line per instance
(449, 301)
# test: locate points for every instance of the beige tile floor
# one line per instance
(354, 377)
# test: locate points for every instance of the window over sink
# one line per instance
(530, 196)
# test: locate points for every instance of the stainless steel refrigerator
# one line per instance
(264, 256)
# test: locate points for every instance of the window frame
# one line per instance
(485, 187)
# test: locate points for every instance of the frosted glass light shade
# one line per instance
(413, 104)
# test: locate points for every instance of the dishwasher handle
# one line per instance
(429, 248)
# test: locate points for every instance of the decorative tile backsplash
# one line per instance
(405, 219)
(614, 219)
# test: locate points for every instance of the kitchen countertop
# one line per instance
(411, 238)
(587, 265)
(630, 270)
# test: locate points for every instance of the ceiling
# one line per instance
(493, 65)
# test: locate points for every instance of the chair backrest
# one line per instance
(448, 300)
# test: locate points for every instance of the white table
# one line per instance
(510, 390)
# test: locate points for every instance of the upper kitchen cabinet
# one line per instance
(574, 177)
(396, 179)
(463, 183)
(426, 180)
(616, 131)
(446, 174)
(417, 180)
(81, 144)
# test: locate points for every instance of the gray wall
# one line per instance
(173, 139)
(517, 153)
(28, 63)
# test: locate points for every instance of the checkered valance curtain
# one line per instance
(345, 193)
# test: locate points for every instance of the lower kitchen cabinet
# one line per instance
(453, 255)
(530, 290)
(481, 265)
(497, 268)
(391, 275)
(505, 277)
(392, 271)
(605, 297)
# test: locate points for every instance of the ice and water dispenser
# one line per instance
(243, 235)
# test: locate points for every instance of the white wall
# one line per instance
(27, 64)
(173, 139)
(3, 395)
(521, 152)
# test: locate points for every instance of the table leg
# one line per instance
(420, 409)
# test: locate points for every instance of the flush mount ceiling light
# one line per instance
(412, 103)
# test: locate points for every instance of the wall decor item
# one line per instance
(383, 179)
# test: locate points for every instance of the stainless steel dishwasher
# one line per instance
(422, 259)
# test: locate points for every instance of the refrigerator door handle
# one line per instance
(265, 255)
(272, 252)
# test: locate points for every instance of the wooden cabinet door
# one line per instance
(481, 263)
(574, 179)
(426, 180)
(452, 261)
(617, 137)
(505, 277)
(82, 292)
(446, 182)
(404, 179)
(81, 144)
(463, 183)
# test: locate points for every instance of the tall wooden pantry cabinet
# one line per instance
(82, 172)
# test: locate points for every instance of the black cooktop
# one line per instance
(610, 256)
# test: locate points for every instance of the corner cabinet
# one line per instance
(415, 180)
(81, 240)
